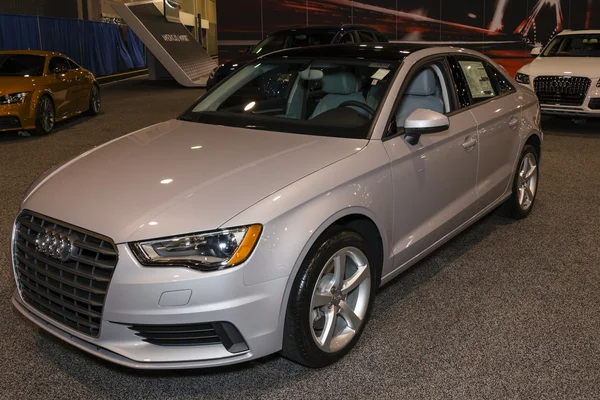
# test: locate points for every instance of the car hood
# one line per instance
(564, 66)
(16, 84)
(159, 182)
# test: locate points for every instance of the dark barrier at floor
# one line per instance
(97, 46)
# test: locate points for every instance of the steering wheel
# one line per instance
(362, 106)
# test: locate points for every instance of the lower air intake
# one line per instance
(204, 334)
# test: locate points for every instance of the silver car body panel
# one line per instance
(296, 186)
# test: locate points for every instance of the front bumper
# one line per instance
(22, 112)
(133, 298)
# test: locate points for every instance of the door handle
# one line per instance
(469, 143)
(514, 121)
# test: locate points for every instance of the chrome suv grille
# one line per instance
(63, 271)
(566, 91)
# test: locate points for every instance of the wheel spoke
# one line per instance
(529, 193)
(521, 195)
(339, 266)
(531, 172)
(353, 320)
(320, 299)
(329, 329)
(355, 280)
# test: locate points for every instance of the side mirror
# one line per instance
(536, 51)
(249, 49)
(422, 122)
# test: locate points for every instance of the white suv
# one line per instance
(565, 75)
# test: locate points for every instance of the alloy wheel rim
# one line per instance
(96, 99)
(47, 117)
(340, 299)
(528, 177)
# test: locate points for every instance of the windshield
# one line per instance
(581, 45)
(292, 39)
(315, 97)
(21, 65)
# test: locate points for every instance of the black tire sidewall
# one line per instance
(298, 332)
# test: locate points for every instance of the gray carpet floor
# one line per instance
(505, 310)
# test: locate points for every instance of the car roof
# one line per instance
(376, 51)
(32, 52)
(325, 28)
(581, 32)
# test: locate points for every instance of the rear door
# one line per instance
(496, 109)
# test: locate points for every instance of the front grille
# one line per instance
(203, 334)
(72, 289)
(594, 104)
(9, 122)
(566, 91)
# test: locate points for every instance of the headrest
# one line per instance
(339, 83)
(423, 84)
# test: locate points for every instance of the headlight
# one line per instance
(15, 98)
(598, 83)
(522, 78)
(213, 72)
(203, 251)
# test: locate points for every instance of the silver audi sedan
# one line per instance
(266, 217)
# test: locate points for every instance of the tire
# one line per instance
(95, 102)
(521, 201)
(44, 116)
(305, 338)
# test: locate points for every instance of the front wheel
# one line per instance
(330, 301)
(44, 116)
(525, 184)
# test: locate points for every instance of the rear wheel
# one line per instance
(44, 117)
(331, 300)
(525, 185)
(95, 101)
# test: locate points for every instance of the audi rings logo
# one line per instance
(561, 84)
(54, 244)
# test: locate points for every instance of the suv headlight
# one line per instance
(14, 98)
(213, 72)
(203, 251)
(522, 78)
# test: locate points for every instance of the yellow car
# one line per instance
(40, 88)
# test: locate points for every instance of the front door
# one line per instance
(434, 180)
(63, 86)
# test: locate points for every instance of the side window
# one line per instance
(478, 80)
(429, 87)
(57, 62)
(380, 38)
(500, 82)
(347, 38)
(72, 65)
(366, 37)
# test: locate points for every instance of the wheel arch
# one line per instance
(358, 219)
(535, 139)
